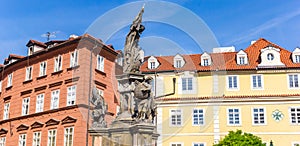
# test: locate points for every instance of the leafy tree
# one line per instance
(239, 138)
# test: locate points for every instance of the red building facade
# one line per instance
(44, 96)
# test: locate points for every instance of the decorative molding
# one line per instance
(26, 92)
(40, 88)
(68, 119)
(100, 84)
(52, 122)
(22, 127)
(3, 131)
(75, 79)
(36, 125)
(55, 84)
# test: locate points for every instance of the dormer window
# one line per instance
(296, 55)
(178, 64)
(205, 59)
(241, 58)
(270, 57)
(178, 61)
(152, 63)
(30, 50)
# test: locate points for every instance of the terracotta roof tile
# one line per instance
(36, 43)
(221, 61)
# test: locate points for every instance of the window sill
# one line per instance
(73, 67)
(41, 77)
(57, 72)
(100, 72)
(27, 81)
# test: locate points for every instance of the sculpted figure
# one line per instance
(100, 109)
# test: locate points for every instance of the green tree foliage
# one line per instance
(239, 138)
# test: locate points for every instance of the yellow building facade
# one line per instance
(201, 97)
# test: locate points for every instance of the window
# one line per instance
(257, 81)
(43, 66)
(22, 140)
(187, 84)
(293, 81)
(176, 117)
(297, 58)
(74, 59)
(36, 139)
(198, 117)
(54, 99)
(25, 106)
(28, 73)
(9, 80)
(176, 144)
(68, 140)
(259, 116)
(198, 144)
(58, 63)
(39, 103)
(0, 86)
(71, 97)
(270, 56)
(100, 63)
(178, 64)
(100, 92)
(242, 60)
(295, 115)
(152, 65)
(233, 116)
(232, 82)
(6, 111)
(205, 62)
(51, 137)
(2, 141)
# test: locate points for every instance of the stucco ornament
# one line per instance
(277, 115)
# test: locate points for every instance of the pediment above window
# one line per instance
(178, 61)
(22, 127)
(241, 58)
(3, 131)
(68, 119)
(296, 55)
(36, 125)
(205, 59)
(52, 122)
(270, 57)
(153, 63)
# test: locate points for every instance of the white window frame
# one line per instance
(55, 96)
(6, 111)
(36, 138)
(203, 117)
(67, 136)
(242, 60)
(2, 141)
(291, 117)
(294, 81)
(28, 75)
(52, 136)
(194, 84)
(234, 117)
(176, 113)
(40, 103)
(199, 143)
(71, 95)
(176, 144)
(297, 58)
(0, 86)
(22, 139)
(178, 63)
(43, 69)
(237, 83)
(100, 63)
(58, 63)
(25, 106)
(261, 80)
(206, 62)
(9, 80)
(265, 116)
(152, 65)
(74, 58)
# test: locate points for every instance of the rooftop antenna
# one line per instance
(49, 35)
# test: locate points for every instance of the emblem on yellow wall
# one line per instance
(277, 115)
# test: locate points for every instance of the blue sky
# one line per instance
(233, 23)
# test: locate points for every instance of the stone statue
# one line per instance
(132, 55)
(145, 108)
(99, 110)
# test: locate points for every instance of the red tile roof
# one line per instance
(221, 61)
(36, 43)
